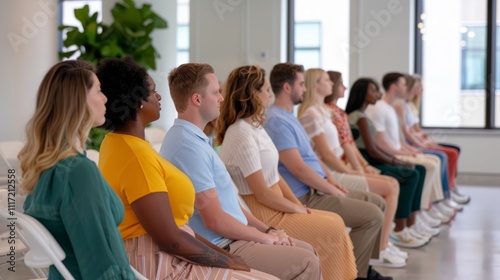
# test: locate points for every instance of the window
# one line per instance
(307, 45)
(319, 35)
(453, 56)
(182, 31)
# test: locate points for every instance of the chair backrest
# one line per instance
(8, 153)
(154, 135)
(44, 249)
(93, 155)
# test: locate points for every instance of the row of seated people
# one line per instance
(135, 207)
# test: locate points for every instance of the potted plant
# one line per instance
(128, 35)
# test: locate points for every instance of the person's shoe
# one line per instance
(388, 259)
(458, 197)
(452, 204)
(405, 239)
(425, 217)
(447, 211)
(396, 251)
(422, 227)
(374, 275)
(415, 233)
(436, 214)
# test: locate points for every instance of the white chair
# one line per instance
(93, 155)
(44, 250)
(155, 135)
(8, 159)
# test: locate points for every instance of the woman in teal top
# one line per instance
(67, 193)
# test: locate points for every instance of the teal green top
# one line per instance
(74, 202)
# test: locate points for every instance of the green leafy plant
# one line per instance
(128, 35)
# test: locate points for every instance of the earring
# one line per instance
(142, 106)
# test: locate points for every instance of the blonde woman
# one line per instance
(316, 118)
(252, 161)
(66, 191)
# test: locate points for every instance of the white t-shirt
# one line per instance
(385, 119)
(247, 149)
(316, 120)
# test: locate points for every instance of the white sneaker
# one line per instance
(458, 197)
(387, 259)
(452, 204)
(422, 227)
(425, 217)
(415, 233)
(405, 239)
(396, 251)
(436, 214)
(447, 211)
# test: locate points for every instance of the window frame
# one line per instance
(490, 77)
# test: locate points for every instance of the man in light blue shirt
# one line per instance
(218, 217)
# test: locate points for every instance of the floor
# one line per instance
(468, 248)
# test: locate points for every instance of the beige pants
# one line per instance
(433, 187)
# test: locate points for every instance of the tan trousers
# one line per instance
(433, 187)
(363, 213)
(350, 181)
(284, 262)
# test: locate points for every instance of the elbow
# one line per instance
(212, 224)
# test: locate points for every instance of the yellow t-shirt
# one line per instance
(134, 169)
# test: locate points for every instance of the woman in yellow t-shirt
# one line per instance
(158, 198)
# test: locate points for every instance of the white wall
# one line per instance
(227, 34)
(381, 37)
(27, 50)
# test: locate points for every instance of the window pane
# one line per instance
(182, 31)
(497, 63)
(183, 37)
(333, 39)
(453, 60)
(307, 34)
(308, 58)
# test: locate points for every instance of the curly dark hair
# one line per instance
(124, 83)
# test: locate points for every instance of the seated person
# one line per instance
(316, 118)
(365, 92)
(252, 160)
(218, 217)
(309, 179)
(158, 198)
(388, 138)
(67, 193)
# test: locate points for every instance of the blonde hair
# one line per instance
(416, 99)
(241, 100)
(311, 78)
(61, 113)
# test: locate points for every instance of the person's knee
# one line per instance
(306, 267)
(394, 186)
